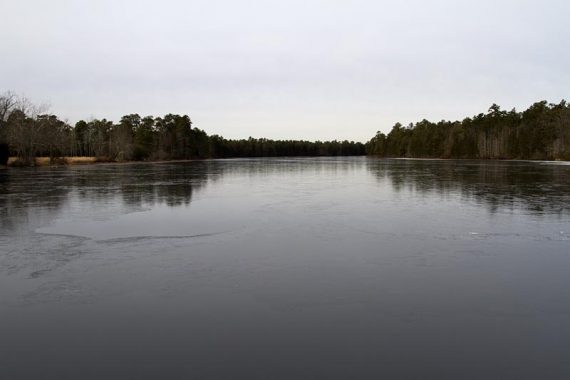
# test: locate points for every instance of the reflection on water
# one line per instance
(286, 268)
(29, 195)
(536, 187)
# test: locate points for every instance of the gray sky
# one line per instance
(285, 69)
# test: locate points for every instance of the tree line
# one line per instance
(27, 131)
(542, 132)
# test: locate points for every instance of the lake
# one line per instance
(293, 268)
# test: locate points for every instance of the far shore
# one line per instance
(73, 161)
(46, 161)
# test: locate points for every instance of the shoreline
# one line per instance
(81, 161)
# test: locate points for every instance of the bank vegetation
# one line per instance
(542, 132)
(28, 131)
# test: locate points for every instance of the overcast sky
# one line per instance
(286, 69)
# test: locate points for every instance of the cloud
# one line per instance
(295, 69)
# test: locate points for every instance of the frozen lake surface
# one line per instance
(286, 269)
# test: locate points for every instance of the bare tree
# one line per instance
(23, 128)
(8, 101)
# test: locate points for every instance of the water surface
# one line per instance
(286, 268)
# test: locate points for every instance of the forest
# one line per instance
(27, 132)
(542, 132)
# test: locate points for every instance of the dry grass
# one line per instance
(45, 161)
(80, 160)
(42, 161)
